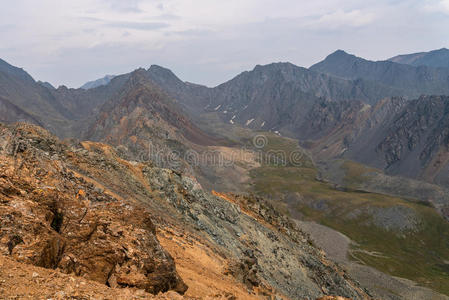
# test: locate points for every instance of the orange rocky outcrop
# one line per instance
(47, 220)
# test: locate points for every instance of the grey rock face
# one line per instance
(412, 81)
(288, 262)
(398, 219)
(436, 58)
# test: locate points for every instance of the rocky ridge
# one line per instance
(411, 81)
(436, 58)
(99, 82)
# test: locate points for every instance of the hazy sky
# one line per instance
(208, 41)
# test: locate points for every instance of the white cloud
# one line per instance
(437, 6)
(341, 18)
(445, 5)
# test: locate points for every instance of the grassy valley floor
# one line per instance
(394, 235)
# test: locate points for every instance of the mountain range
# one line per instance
(355, 122)
(331, 108)
(436, 58)
(413, 81)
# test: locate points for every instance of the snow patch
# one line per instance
(365, 107)
(249, 122)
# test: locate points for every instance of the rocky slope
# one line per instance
(436, 58)
(375, 181)
(11, 113)
(418, 138)
(54, 219)
(401, 137)
(26, 99)
(149, 125)
(82, 210)
(143, 111)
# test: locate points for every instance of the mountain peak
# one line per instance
(337, 61)
(340, 54)
(163, 76)
(162, 72)
(138, 76)
(155, 68)
(275, 66)
(98, 82)
(46, 84)
(336, 58)
(274, 71)
(444, 49)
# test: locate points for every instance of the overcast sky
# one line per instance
(208, 41)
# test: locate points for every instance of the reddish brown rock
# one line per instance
(53, 218)
(333, 298)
